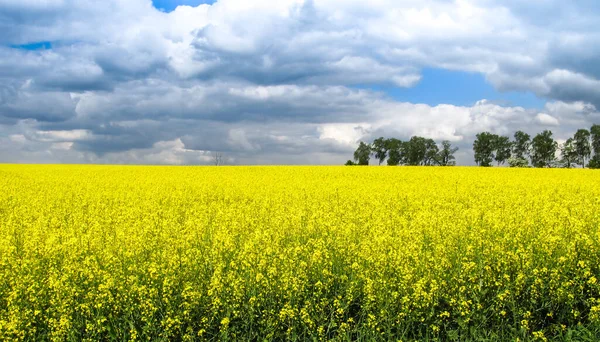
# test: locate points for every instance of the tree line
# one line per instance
(416, 151)
(583, 149)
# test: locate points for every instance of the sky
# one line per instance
(287, 81)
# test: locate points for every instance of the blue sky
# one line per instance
(287, 81)
(33, 46)
(169, 5)
(439, 86)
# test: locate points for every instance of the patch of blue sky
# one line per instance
(170, 5)
(440, 86)
(33, 46)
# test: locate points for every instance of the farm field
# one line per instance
(298, 253)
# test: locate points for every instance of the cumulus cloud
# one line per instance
(546, 120)
(312, 135)
(279, 82)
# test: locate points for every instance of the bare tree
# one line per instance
(217, 158)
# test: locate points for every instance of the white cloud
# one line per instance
(546, 120)
(344, 133)
(61, 136)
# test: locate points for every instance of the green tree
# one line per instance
(582, 145)
(568, 153)
(521, 145)
(349, 163)
(502, 146)
(416, 149)
(431, 153)
(483, 147)
(543, 150)
(446, 155)
(517, 162)
(362, 155)
(396, 151)
(520, 150)
(595, 134)
(380, 149)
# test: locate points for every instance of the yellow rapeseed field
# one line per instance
(306, 253)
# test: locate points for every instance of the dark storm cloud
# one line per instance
(41, 106)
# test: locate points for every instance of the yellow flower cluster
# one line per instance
(298, 253)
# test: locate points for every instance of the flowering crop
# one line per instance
(254, 253)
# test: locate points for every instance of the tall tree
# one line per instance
(568, 153)
(520, 150)
(416, 150)
(446, 155)
(484, 148)
(502, 146)
(431, 153)
(362, 155)
(543, 149)
(396, 151)
(521, 145)
(380, 149)
(582, 145)
(595, 134)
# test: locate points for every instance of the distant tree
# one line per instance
(484, 148)
(396, 151)
(446, 154)
(543, 150)
(379, 148)
(582, 145)
(416, 151)
(217, 158)
(362, 155)
(431, 153)
(568, 153)
(521, 145)
(595, 135)
(502, 146)
(518, 162)
(349, 163)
